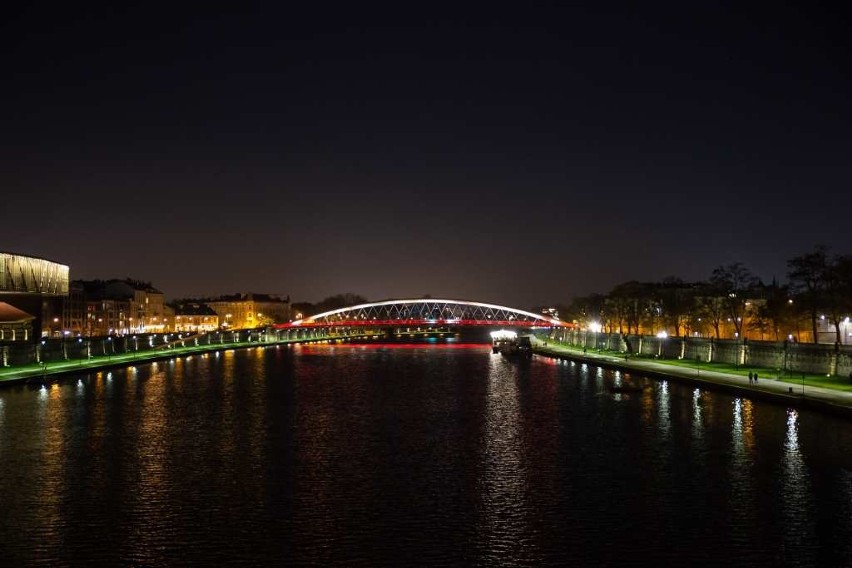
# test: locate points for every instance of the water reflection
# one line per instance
(796, 488)
(49, 485)
(385, 456)
(697, 420)
(503, 479)
(741, 468)
(664, 421)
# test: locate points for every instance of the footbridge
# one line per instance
(419, 316)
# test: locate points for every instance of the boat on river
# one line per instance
(510, 345)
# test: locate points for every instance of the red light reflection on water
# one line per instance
(376, 346)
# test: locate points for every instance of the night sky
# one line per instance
(520, 156)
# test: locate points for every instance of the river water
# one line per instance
(400, 454)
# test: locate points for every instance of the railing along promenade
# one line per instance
(48, 370)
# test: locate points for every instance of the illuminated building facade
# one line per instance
(36, 287)
(194, 318)
(119, 307)
(243, 311)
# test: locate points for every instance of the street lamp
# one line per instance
(737, 350)
(595, 328)
(661, 335)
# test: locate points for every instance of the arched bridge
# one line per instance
(426, 312)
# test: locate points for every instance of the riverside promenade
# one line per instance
(785, 392)
(54, 370)
(48, 372)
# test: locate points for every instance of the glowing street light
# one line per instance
(661, 335)
(595, 328)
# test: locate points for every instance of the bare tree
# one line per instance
(677, 300)
(735, 282)
(774, 310)
(837, 302)
(627, 302)
(807, 274)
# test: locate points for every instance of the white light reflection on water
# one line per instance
(741, 467)
(796, 490)
(664, 406)
(503, 526)
(737, 426)
(697, 418)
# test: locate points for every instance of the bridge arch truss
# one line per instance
(428, 312)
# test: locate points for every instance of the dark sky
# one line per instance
(520, 156)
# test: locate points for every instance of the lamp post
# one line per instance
(595, 328)
(736, 350)
(662, 335)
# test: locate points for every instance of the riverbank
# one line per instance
(55, 370)
(766, 388)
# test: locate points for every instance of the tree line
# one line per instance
(731, 301)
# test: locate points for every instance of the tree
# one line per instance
(677, 301)
(625, 305)
(735, 282)
(807, 274)
(774, 312)
(837, 302)
(587, 309)
(710, 304)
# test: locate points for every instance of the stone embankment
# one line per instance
(768, 389)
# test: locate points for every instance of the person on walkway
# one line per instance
(755, 377)
(749, 377)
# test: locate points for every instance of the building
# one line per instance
(36, 287)
(15, 325)
(194, 317)
(74, 311)
(118, 307)
(148, 313)
(243, 311)
(107, 317)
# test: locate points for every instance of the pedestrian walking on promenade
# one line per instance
(755, 378)
(749, 377)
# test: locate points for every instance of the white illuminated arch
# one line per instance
(545, 321)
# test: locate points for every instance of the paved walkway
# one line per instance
(765, 388)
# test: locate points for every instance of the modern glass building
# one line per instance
(31, 293)
(31, 275)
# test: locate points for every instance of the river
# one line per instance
(412, 454)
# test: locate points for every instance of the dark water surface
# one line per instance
(412, 455)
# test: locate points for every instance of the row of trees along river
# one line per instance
(732, 303)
